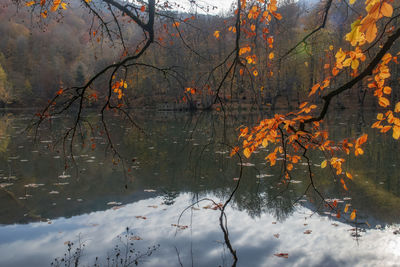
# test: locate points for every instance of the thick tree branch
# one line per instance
(366, 72)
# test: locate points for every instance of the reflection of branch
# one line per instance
(223, 222)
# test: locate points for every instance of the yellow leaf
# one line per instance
(397, 107)
(216, 34)
(358, 151)
(255, 73)
(353, 215)
(331, 47)
(347, 62)
(265, 142)
(64, 5)
(352, 2)
(340, 56)
(355, 35)
(271, 55)
(324, 163)
(354, 64)
(379, 116)
(384, 102)
(247, 153)
(396, 132)
(349, 175)
(346, 208)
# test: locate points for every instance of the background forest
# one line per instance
(39, 56)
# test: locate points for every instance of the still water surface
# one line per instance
(180, 159)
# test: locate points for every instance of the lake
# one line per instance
(153, 207)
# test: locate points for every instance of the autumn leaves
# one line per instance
(54, 5)
(365, 29)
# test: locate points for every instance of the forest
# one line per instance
(38, 57)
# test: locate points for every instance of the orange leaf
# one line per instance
(386, 9)
(314, 89)
(30, 3)
(387, 90)
(397, 107)
(143, 8)
(353, 214)
(396, 132)
(384, 102)
(344, 184)
(234, 151)
(282, 255)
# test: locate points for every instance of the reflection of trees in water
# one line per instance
(123, 254)
(169, 197)
(182, 160)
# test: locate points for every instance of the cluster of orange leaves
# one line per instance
(280, 131)
(117, 88)
(287, 144)
(282, 128)
(381, 91)
(254, 12)
(55, 5)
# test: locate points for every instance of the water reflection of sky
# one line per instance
(37, 244)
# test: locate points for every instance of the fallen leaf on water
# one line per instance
(276, 235)
(181, 227)
(152, 206)
(114, 203)
(149, 190)
(141, 217)
(307, 232)
(135, 237)
(282, 255)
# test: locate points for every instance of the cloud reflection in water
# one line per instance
(37, 244)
